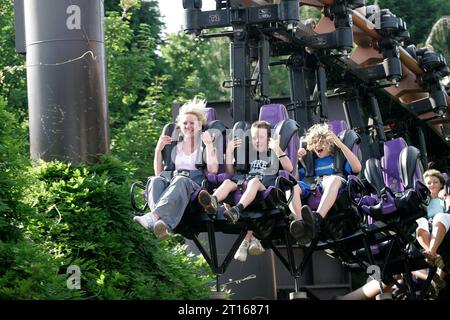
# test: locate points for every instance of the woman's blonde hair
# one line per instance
(435, 173)
(195, 107)
(318, 133)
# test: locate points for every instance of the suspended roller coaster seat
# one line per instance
(270, 209)
(400, 194)
(194, 215)
(343, 218)
(268, 215)
(390, 214)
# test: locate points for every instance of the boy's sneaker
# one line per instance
(146, 221)
(241, 253)
(311, 222)
(161, 230)
(298, 230)
(255, 248)
(208, 202)
(438, 283)
(232, 215)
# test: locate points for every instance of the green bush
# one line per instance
(84, 215)
(27, 270)
(12, 175)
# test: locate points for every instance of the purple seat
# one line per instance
(275, 114)
(210, 114)
(337, 126)
(390, 164)
(412, 169)
(402, 193)
(390, 170)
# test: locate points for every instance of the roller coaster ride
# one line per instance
(393, 112)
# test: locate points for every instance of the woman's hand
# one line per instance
(162, 142)
(207, 138)
(233, 144)
(301, 152)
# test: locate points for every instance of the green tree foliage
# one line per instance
(83, 215)
(279, 80)
(143, 12)
(135, 143)
(131, 58)
(196, 67)
(12, 65)
(61, 215)
(13, 165)
(439, 37)
(27, 270)
(419, 15)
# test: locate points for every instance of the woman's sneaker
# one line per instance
(241, 253)
(255, 247)
(161, 230)
(146, 221)
(208, 202)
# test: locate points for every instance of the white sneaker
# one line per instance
(146, 221)
(161, 230)
(241, 253)
(255, 248)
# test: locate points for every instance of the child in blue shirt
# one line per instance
(323, 142)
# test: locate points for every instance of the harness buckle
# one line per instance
(240, 184)
(184, 173)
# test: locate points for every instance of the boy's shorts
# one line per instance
(306, 187)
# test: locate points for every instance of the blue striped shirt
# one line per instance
(325, 167)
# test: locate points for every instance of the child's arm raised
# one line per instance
(353, 160)
(233, 144)
(274, 144)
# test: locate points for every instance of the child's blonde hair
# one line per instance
(195, 107)
(319, 133)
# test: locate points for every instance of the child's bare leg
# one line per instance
(424, 238)
(225, 189)
(254, 185)
(437, 236)
(296, 203)
(421, 274)
(331, 186)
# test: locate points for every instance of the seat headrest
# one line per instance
(273, 113)
(410, 166)
(390, 163)
(337, 126)
(278, 117)
(210, 114)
